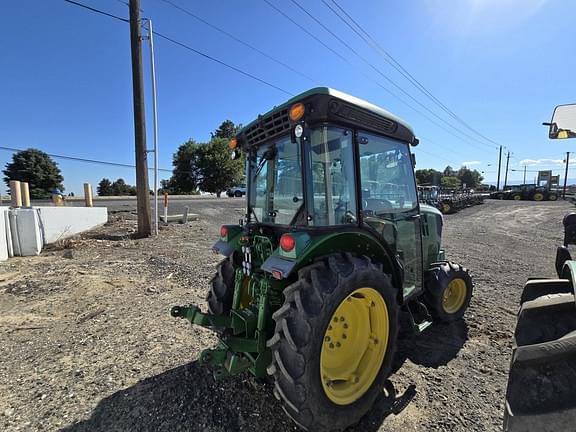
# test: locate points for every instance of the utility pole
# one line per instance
(499, 165)
(566, 175)
(506, 175)
(524, 182)
(154, 122)
(142, 188)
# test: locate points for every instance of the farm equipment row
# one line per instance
(526, 192)
(448, 200)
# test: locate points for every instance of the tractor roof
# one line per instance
(401, 128)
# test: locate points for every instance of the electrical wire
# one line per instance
(387, 90)
(240, 41)
(396, 65)
(382, 74)
(79, 159)
(183, 45)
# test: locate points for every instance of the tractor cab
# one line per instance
(320, 165)
(333, 244)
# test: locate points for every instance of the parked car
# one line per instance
(236, 191)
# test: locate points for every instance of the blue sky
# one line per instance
(501, 65)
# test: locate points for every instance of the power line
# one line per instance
(246, 44)
(97, 10)
(396, 65)
(336, 53)
(200, 53)
(79, 159)
(305, 30)
(382, 74)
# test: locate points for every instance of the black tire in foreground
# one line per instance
(541, 392)
(448, 291)
(222, 288)
(310, 328)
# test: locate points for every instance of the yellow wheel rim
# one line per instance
(517, 197)
(445, 208)
(354, 346)
(538, 196)
(454, 296)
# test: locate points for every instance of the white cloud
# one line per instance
(536, 162)
(468, 163)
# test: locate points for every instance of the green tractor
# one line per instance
(333, 246)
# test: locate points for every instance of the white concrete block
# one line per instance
(3, 238)
(62, 222)
(6, 221)
(26, 234)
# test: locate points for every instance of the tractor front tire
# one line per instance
(334, 342)
(448, 291)
(221, 293)
(552, 197)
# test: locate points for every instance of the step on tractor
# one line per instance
(333, 246)
(541, 392)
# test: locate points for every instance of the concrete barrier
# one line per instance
(58, 223)
(3, 237)
(6, 223)
(26, 233)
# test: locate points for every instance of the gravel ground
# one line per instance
(88, 343)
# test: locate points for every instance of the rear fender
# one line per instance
(356, 242)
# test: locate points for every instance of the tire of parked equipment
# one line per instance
(541, 391)
(516, 197)
(238, 194)
(552, 197)
(448, 291)
(538, 196)
(341, 314)
(222, 288)
(446, 207)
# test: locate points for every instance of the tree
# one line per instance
(449, 172)
(208, 167)
(105, 188)
(428, 177)
(226, 130)
(471, 178)
(121, 188)
(187, 174)
(450, 182)
(219, 171)
(37, 169)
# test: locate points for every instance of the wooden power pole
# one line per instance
(506, 175)
(566, 175)
(142, 188)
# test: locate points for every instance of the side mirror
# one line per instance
(563, 123)
(413, 157)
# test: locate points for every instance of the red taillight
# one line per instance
(223, 231)
(287, 242)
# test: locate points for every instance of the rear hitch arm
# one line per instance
(193, 314)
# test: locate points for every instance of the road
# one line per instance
(204, 205)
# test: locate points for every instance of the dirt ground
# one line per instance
(88, 343)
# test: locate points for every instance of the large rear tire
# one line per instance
(221, 293)
(334, 342)
(448, 291)
(541, 391)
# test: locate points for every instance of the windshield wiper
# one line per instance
(268, 155)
